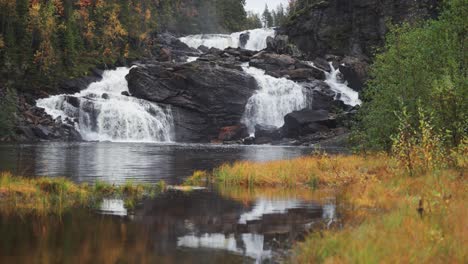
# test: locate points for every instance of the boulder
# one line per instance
(322, 64)
(203, 49)
(165, 54)
(243, 39)
(307, 121)
(73, 101)
(204, 96)
(267, 131)
(302, 74)
(280, 44)
(281, 65)
(355, 71)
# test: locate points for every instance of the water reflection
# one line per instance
(118, 162)
(196, 227)
(113, 207)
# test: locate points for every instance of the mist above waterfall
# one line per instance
(256, 41)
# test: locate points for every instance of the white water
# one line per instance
(276, 98)
(253, 244)
(348, 95)
(257, 40)
(118, 118)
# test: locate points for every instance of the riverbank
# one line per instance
(397, 218)
(43, 195)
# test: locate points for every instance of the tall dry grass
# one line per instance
(417, 217)
(54, 195)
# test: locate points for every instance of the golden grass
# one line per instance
(394, 231)
(312, 171)
(54, 195)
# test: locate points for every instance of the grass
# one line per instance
(395, 218)
(56, 195)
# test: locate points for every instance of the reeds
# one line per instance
(54, 195)
(396, 217)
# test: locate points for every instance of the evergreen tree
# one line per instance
(267, 18)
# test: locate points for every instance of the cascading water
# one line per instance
(347, 95)
(256, 41)
(276, 98)
(102, 113)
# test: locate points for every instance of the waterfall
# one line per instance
(276, 98)
(347, 95)
(102, 113)
(257, 39)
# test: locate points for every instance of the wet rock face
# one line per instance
(33, 124)
(352, 27)
(282, 65)
(243, 39)
(204, 96)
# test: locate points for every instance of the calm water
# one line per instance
(197, 227)
(203, 226)
(118, 162)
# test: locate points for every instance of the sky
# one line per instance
(259, 5)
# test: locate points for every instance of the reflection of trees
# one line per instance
(151, 234)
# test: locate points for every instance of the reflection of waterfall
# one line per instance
(102, 113)
(275, 98)
(257, 39)
(267, 206)
(347, 95)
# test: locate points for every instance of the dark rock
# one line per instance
(78, 84)
(105, 96)
(267, 131)
(307, 121)
(263, 140)
(73, 101)
(165, 54)
(280, 44)
(355, 72)
(303, 74)
(231, 133)
(248, 141)
(168, 47)
(351, 27)
(281, 65)
(125, 93)
(271, 62)
(204, 49)
(243, 39)
(204, 97)
(322, 64)
(41, 132)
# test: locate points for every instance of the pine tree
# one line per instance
(267, 17)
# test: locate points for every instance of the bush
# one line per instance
(423, 63)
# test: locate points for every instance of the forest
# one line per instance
(43, 41)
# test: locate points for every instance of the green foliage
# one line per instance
(8, 100)
(253, 21)
(423, 63)
(267, 18)
(419, 149)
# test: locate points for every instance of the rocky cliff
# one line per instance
(351, 27)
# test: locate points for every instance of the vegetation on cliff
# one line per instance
(419, 83)
(43, 41)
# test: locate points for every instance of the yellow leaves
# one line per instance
(147, 15)
(2, 42)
